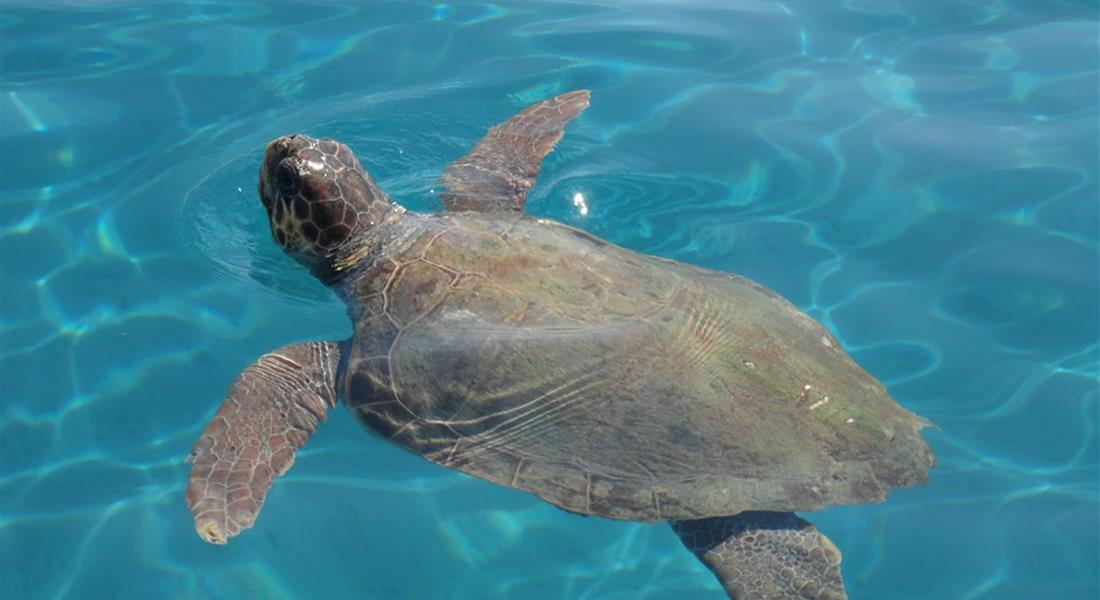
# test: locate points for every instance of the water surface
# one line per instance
(921, 176)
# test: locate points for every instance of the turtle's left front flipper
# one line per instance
(773, 555)
(269, 412)
(502, 167)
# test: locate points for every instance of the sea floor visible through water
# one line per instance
(920, 176)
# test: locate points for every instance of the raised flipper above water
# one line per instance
(766, 556)
(497, 174)
(269, 412)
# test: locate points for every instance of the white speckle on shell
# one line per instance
(749, 364)
(825, 341)
(461, 314)
(819, 403)
(850, 420)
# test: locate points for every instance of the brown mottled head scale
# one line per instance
(320, 203)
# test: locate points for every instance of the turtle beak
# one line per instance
(285, 146)
(276, 151)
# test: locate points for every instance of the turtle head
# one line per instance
(319, 201)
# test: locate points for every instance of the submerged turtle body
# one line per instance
(608, 382)
(537, 356)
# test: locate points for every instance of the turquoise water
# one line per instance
(919, 175)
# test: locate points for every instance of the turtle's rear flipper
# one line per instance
(771, 555)
(498, 172)
(270, 412)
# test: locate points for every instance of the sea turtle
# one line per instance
(534, 355)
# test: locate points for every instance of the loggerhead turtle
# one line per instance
(534, 355)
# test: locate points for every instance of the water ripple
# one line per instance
(919, 176)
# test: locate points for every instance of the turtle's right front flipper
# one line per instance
(497, 174)
(269, 412)
(766, 555)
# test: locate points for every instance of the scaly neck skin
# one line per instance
(386, 224)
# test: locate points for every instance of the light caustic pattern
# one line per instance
(919, 176)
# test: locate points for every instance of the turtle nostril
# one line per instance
(286, 144)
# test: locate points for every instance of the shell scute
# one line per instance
(418, 289)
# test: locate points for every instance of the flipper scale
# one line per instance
(497, 174)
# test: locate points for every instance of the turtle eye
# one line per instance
(286, 178)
